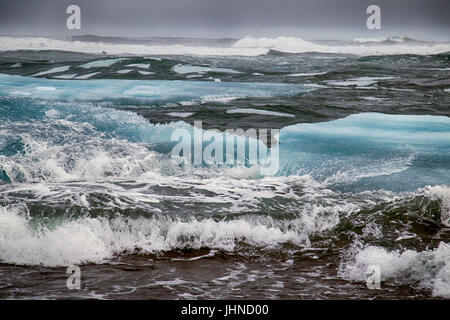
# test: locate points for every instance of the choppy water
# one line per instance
(86, 177)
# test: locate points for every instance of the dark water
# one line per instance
(86, 178)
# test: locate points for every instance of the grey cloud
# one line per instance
(324, 18)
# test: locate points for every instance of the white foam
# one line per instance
(52, 113)
(261, 112)
(53, 70)
(285, 44)
(16, 65)
(72, 242)
(430, 268)
(368, 169)
(443, 194)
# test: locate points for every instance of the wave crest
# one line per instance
(297, 45)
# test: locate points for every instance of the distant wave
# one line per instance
(297, 45)
(40, 43)
(247, 46)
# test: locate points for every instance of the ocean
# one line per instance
(362, 180)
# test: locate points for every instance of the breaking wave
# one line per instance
(297, 45)
(247, 46)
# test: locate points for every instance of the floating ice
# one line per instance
(65, 76)
(87, 75)
(180, 114)
(100, 63)
(145, 73)
(53, 70)
(370, 151)
(124, 71)
(139, 65)
(187, 68)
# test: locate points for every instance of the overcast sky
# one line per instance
(308, 19)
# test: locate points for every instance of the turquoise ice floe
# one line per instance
(370, 151)
(151, 91)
